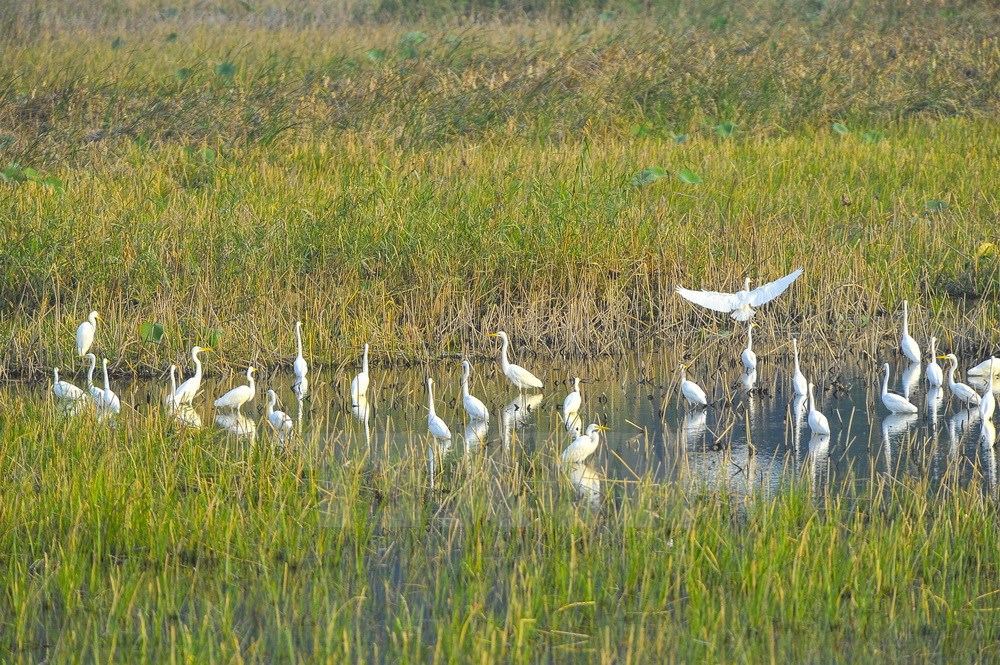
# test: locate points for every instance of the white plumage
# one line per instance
(935, 376)
(187, 391)
(240, 395)
(818, 423)
(64, 389)
(584, 445)
(892, 401)
(473, 406)
(520, 377)
(987, 402)
(572, 403)
(435, 425)
(280, 421)
(299, 366)
(983, 368)
(907, 344)
(799, 383)
(85, 334)
(691, 391)
(963, 392)
(109, 401)
(359, 386)
(748, 357)
(739, 305)
(95, 392)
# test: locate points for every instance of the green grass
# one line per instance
(143, 543)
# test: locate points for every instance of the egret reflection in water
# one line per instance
(517, 414)
(910, 379)
(237, 424)
(894, 429)
(987, 440)
(186, 416)
(587, 483)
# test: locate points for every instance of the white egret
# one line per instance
(110, 401)
(85, 334)
(962, 391)
(172, 395)
(748, 357)
(799, 384)
(520, 377)
(739, 304)
(64, 389)
(475, 408)
(987, 402)
(692, 391)
(299, 366)
(907, 344)
(240, 395)
(187, 391)
(95, 392)
(435, 425)
(572, 404)
(359, 386)
(983, 368)
(584, 445)
(935, 376)
(818, 423)
(893, 402)
(280, 421)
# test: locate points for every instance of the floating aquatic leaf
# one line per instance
(151, 332)
(840, 129)
(725, 129)
(873, 136)
(648, 175)
(52, 182)
(606, 16)
(409, 42)
(225, 69)
(183, 73)
(642, 130)
(689, 177)
(208, 155)
(117, 43)
(172, 37)
(679, 138)
(935, 205)
(375, 54)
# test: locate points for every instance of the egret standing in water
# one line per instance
(691, 391)
(187, 391)
(571, 406)
(359, 386)
(892, 401)
(799, 383)
(280, 421)
(748, 357)
(739, 305)
(584, 445)
(85, 334)
(987, 402)
(520, 377)
(240, 395)
(983, 368)
(475, 408)
(301, 386)
(172, 395)
(935, 376)
(907, 344)
(963, 392)
(63, 389)
(818, 423)
(110, 401)
(435, 425)
(95, 392)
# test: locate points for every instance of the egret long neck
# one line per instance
(106, 385)
(749, 338)
(885, 381)
(504, 363)
(271, 400)
(576, 385)
(812, 400)
(465, 382)
(906, 319)
(430, 400)
(795, 353)
(197, 366)
(364, 360)
(90, 373)
(298, 338)
(173, 379)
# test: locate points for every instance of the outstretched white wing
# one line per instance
(771, 290)
(719, 302)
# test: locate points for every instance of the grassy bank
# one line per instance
(224, 175)
(143, 543)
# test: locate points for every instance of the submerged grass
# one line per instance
(145, 543)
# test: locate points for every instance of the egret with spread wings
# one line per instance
(739, 305)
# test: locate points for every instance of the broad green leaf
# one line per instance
(840, 129)
(987, 249)
(53, 182)
(935, 205)
(689, 177)
(208, 155)
(872, 136)
(183, 73)
(225, 69)
(117, 43)
(151, 332)
(679, 138)
(648, 175)
(172, 37)
(375, 54)
(725, 129)
(212, 336)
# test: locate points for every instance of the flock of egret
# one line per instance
(584, 441)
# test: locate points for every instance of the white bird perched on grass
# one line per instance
(109, 400)
(572, 404)
(892, 401)
(85, 334)
(799, 384)
(95, 392)
(987, 402)
(748, 357)
(435, 425)
(983, 368)
(691, 391)
(299, 366)
(520, 377)
(584, 445)
(739, 305)
(962, 391)
(907, 344)
(818, 423)
(280, 421)
(359, 386)
(240, 395)
(473, 406)
(935, 376)
(64, 389)
(187, 391)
